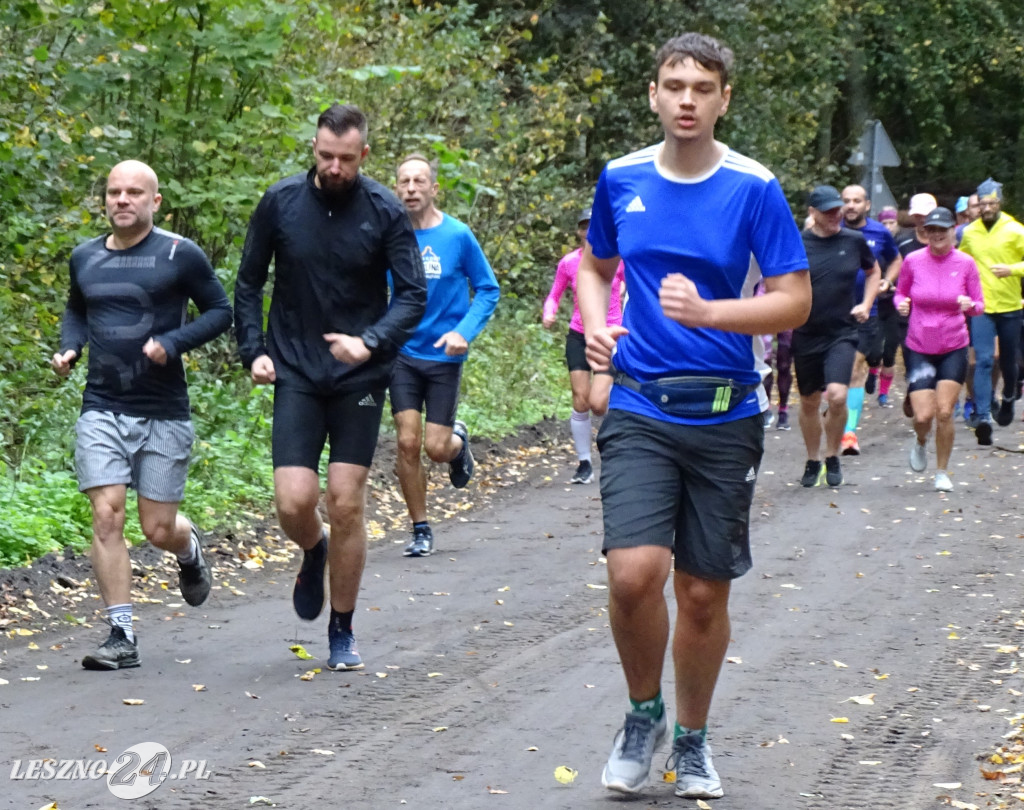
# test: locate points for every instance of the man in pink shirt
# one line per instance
(938, 287)
(587, 395)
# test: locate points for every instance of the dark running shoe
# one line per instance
(460, 469)
(782, 423)
(812, 472)
(869, 383)
(194, 579)
(833, 471)
(584, 473)
(1004, 413)
(983, 433)
(308, 594)
(344, 654)
(421, 544)
(117, 652)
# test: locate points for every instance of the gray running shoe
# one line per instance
(833, 471)
(117, 652)
(584, 473)
(629, 765)
(344, 655)
(782, 423)
(194, 579)
(918, 457)
(942, 482)
(460, 468)
(696, 777)
(421, 544)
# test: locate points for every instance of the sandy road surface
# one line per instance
(499, 664)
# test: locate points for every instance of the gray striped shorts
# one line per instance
(149, 455)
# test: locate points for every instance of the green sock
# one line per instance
(653, 708)
(682, 731)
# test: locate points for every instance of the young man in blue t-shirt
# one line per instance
(429, 366)
(697, 226)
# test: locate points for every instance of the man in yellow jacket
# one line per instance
(996, 242)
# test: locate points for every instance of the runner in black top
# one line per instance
(333, 234)
(128, 297)
(825, 346)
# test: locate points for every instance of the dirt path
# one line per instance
(490, 664)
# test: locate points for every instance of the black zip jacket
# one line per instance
(331, 259)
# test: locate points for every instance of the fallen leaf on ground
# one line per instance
(565, 774)
(323, 752)
(434, 674)
(840, 720)
(703, 805)
(439, 729)
(251, 695)
(300, 652)
(862, 700)
(839, 665)
(132, 701)
(734, 660)
(668, 776)
(261, 800)
(948, 785)
(496, 791)
(198, 687)
(256, 764)
(597, 587)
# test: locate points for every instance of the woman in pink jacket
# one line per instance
(586, 396)
(938, 288)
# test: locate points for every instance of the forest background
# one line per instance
(521, 103)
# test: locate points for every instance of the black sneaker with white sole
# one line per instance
(117, 652)
(460, 468)
(194, 578)
(584, 473)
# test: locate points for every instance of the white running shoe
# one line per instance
(942, 482)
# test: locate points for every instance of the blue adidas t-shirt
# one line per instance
(711, 229)
(883, 246)
(453, 262)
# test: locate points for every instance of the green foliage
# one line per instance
(522, 106)
(515, 374)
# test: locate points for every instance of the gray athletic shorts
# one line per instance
(149, 455)
(685, 487)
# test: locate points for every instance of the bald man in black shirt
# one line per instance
(127, 301)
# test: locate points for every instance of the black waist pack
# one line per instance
(690, 397)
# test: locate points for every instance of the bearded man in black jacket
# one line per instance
(333, 235)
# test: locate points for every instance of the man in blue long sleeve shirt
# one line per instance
(127, 301)
(429, 365)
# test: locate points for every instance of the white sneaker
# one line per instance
(942, 482)
(696, 777)
(629, 765)
(918, 457)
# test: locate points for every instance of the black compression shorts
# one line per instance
(415, 382)
(303, 422)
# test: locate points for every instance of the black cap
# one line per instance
(585, 215)
(940, 218)
(824, 198)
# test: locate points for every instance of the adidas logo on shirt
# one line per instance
(635, 206)
(368, 401)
